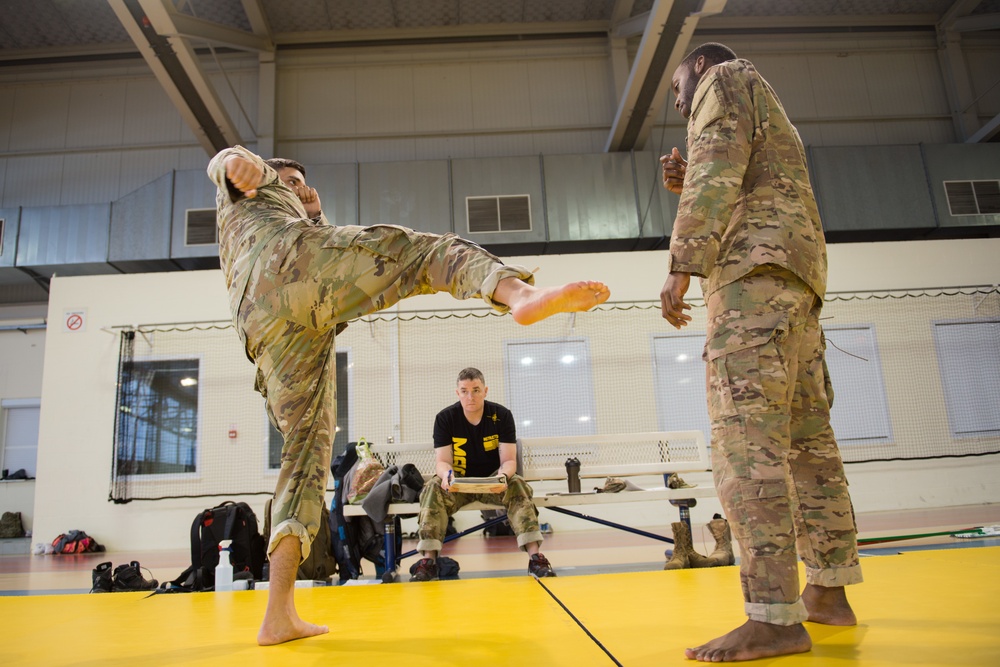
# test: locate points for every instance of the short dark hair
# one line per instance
(471, 373)
(713, 51)
(278, 163)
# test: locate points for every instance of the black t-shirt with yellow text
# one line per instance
(476, 450)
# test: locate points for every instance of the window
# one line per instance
(20, 435)
(499, 214)
(158, 426)
(200, 227)
(973, 197)
(860, 412)
(679, 383)
(969, 361)
(275, 441)
(549, 387)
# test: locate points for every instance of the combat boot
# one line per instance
(723, 554)
(683, 550)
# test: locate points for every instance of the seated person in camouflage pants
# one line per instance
(293, 280)
(475, 438)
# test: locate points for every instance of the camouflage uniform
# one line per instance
(291, 281)
(748, 225)
(436, 505)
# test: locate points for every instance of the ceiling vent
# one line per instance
(200, 227)
(510, 213)
(973, 197)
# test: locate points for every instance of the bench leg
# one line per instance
(685, 505)
(604, 522)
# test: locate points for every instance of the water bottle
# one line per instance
(224, 570)
(573, 474)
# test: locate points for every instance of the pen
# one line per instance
(450, 473)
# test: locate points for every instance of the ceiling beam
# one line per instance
(986, 132)
(954, 70)
(189, 27)
(150, 25)
(665, 40)
(977, 22)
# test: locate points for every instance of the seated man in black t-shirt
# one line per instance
(475, 438)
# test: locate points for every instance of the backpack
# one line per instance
(357, 537)
(229, 521)
(501, 529)
(75, 542)
(320, 565)
(11, 526)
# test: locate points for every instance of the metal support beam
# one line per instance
(958, 86)
(986, 132)
(150, 25)
(665, 40)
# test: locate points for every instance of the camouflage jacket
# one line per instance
(747, 200)
(247, 226)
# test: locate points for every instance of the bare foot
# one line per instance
(286, 629)
(534, 305)
(828, 605)
(753, 640)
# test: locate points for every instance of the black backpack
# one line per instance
(357, 537)
(229, 521)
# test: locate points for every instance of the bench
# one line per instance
(646, 458)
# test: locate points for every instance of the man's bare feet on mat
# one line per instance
(283, 630)
(530, 304)
(753, 640)
(828, 605)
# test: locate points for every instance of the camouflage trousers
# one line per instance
(436, 505)
(306, 282)
(776, 464)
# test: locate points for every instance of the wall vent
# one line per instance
(510, 213)
(200, 227)
(973, 197)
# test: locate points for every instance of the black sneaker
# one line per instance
(102, 578)
(424, 569)
(538, 565)
(129, 578)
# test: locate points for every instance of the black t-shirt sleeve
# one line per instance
(508, 431)
(443, 427)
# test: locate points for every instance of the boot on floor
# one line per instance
(723, 554)
(683, 550)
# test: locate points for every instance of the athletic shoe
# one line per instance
(129, 578)
(425, 569)
(538, 565)
(102, 578)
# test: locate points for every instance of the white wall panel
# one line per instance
(984, 67)
(894, 85)
(440, 148)
(33, 180)
(442, 98)
(40, 116)
(791, 79)
(244, 81)
(141, 167)
(500, 96)
(96, 113)
(385, 100)
(504, 144)
(601, 97)
(315, 102)
(914, 132)
(319, 152)
(385, 150)
(860, 133)
(558, 93)
(559, 143)
(839, 86)
(150, 116)
(89, 178)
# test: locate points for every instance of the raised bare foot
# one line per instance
(753, 640)
(543, 302)
(828, 605)
(285, 629)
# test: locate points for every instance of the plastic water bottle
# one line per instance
(224, 570)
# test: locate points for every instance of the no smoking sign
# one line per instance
(75, 321)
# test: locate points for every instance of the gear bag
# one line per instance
(229, 521)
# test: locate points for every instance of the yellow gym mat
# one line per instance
(918, 608)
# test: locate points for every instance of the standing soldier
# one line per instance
(748, 226)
